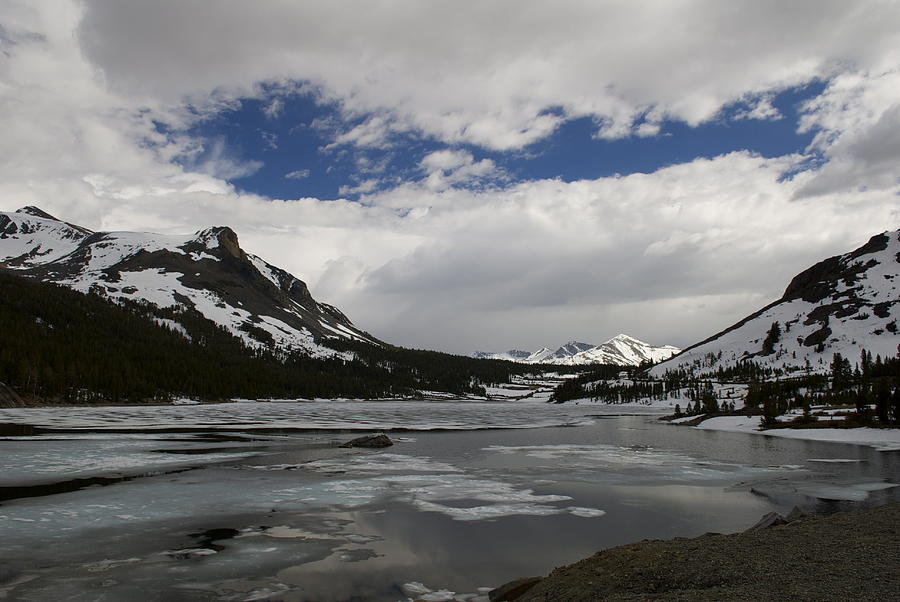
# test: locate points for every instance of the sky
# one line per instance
(472, 176)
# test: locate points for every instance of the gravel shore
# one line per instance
(846, 556)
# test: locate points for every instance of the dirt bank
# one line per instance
(846, 556)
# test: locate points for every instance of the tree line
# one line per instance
(62, 346)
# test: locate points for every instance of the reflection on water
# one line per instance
(286, 515)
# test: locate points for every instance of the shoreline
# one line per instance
(843, 556)
(884, 439)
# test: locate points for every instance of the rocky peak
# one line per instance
(36, 212)
(821, 280)
(221, 236)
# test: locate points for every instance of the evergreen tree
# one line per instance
(772, 337)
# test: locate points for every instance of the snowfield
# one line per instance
(881, 439)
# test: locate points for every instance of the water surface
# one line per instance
(255, 501)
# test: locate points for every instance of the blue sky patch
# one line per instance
(282, 146)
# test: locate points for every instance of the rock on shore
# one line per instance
(378, 440)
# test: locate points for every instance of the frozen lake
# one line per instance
(254, 501)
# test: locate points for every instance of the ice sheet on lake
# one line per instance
(311, 415)
(821, 489)
(612, 463)
(36, 460)
(434, 486)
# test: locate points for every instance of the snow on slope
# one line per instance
(841, 305)
(207, 271)
(31, 237)
(622, 350)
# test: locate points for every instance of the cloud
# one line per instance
(857, 125)
(486, 75)
(374, 132)
(445, 168)
(274, 108)
(297, 174)
(760, 108)
(364, 187)
(549, 260)
(219, 161)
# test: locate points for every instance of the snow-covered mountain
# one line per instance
(622, 350)
(841, 305)
(207, 271)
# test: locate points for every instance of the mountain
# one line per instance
(208, 271)
(843, 304)
(61, 346)
(621, 350)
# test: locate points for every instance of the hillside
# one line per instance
(840, 305)
(843, 556)
(58, 345)
(207, 271)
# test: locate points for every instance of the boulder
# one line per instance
(796, 513)
(378, 440)
(772, 519)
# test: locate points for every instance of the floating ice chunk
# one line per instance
(185, 402)
(834, 460)
(185, 553)
(285, 532)
(442, 595)
(585, 512)
(105, 565)
(487, 512)
(382, 463)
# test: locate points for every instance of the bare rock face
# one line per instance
(378, 440)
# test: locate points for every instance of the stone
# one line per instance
(772, 519)
(379, 440)
(796, 513)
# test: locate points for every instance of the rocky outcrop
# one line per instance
(378, 440)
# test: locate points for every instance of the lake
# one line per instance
(255, 501)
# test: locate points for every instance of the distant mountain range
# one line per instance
(840, 305)
(208, 271)
(621, 350)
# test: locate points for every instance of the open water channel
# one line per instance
(255, 501)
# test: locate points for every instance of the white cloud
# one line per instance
(760, 108)
(274, 108)
(364, 187)
(486, 73)
(708, 242)
(297, 174)
(445, 168)
(217, 160)
(857, 125)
